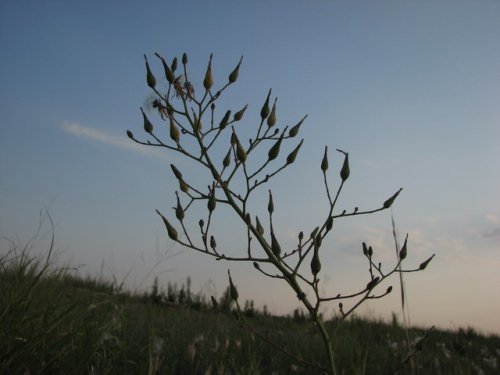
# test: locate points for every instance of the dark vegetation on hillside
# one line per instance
(52, 322)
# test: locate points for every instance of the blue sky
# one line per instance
(410, 89)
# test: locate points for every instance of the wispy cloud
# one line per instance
(110, 139)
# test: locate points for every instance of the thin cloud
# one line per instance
(110, 139)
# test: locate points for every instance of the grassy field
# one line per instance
(52, 322)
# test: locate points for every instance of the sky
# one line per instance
(410, 89)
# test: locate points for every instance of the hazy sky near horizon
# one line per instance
(410, 89)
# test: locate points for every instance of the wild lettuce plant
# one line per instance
(212, 139)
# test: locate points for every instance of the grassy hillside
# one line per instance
(54, 323)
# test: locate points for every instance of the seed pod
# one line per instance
(196, 124)
(264, 112)
(234, 74)
(208, 81)
(256, 265)
(271, 120)
(270, 205)
(174, 64)
(172, 233)
(403, 252)
(179, 211)
(201, 223)
(174, 132)
(225, 120)
(241, 154)
(148, 126)
(275, 150)
(177, 173)
(260, 228)
(329, 223)
(232, 289)
(370, 251)
(388, 203)
(295, 129)
(315, 263)
(345, 171)
(365, 249)
(183, 186)
(239, 115)
(168, 72)
(150, 78)
(211, 201)
(389, 289)
(275, 246)
(301, 236)
(213, 244)
(423, 265)
(227, 159)
(184, 58)
(324, 162)
(293, 155)
(372, 283)
(130, 134)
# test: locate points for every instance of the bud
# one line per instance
(174, 64)
(372, 283)
(388, 203)
(179, 211)
(365, 249)
(345, 171)
(270, 205)
(208, 81)
(183, 186)
(227, 159)
(184, 58)
(239, 115)
(293, 155)
(234, 74)
(130, 134)
(389, 289)
(232, 289)
(256, 265)
(260, 228)
(213, 244)
(150, 78)
(172, 233)
(241, 154)
(264, 112)
(211, 200)
(275, 246)
(315, 263)
(324, 162)
(201, 223)
(403, 252)
(295, 129)
(177, 173)
(148, 126)
(301, 235)
(423, 265)
(274, 151)
(174, 132)
(271, 120)
(225, 120)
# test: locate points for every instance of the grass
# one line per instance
(52, 322)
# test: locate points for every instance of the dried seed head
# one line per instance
(264, 112)
(239, 115)
(388, 203)
(150, 78)
(270, 205)
(174, 132)
(211, 201)
(315, 263)
(225, 120)
(403, 252)
(324, 162)
(172, 233)
(227, 159)
(232, 289)
(293, 155)
(275, 150)
(275, 246)
(168, 72)
(271, 120)
(209, 80)
(295, 129)
(234, 74)
(148, 126)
